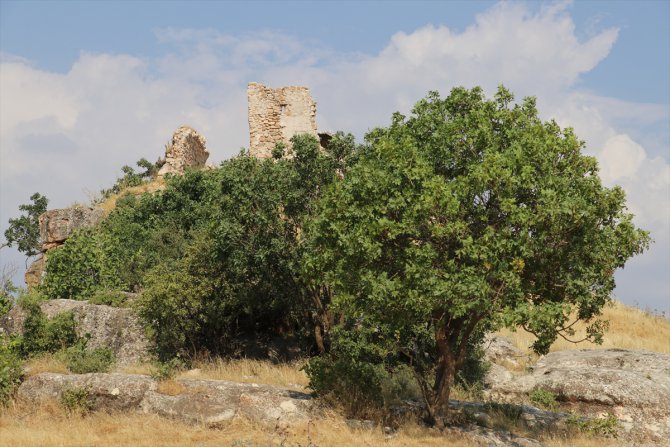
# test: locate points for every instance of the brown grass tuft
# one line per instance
(287, 375)
(171, 387)
(154, 185)
(45, 363)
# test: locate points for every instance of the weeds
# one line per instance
(76, 400)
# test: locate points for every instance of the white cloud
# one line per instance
(620, 158)
(61, 134)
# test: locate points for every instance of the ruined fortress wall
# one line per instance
(275, 115)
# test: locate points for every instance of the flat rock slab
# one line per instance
(633, 385)
(199, 401)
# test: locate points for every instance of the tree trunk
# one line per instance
(444, 379)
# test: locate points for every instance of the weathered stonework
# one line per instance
(276, 115)
(187, 149)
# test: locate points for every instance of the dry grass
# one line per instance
(630, 328)
(154, 185)
(171, 387)
(287, 375)
(45, 363)
(579, 441)
(138, 368)
(48, 426)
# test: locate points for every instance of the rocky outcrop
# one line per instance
(201, 401)
(105, 391)
(109, 327)
(55, 227)
(35, 272)
(186, 149)
(501, 351)
(632, 385)
(59, 224)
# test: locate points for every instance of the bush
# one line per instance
(76, 400)
(352, 374)
(41, 334)
(114, 298)
(80, 360)
(607, 426)
(544, 399)
(11, 370)
(166, 370)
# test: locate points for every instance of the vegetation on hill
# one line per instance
(391, 260)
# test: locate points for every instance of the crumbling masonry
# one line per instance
(275, 115)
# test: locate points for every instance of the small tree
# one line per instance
(24, 231)
(470, 215)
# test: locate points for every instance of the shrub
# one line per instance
(80, 360)
(76, 400)
(162, 371)
(352, 373)
(606, 426)
(114, 298)
(11, 370)
(41, 334)
(544, 399)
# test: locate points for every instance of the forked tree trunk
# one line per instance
(451, 339)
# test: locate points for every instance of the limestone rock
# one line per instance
(214, 401)
(187, 149)
(632, 385)
(501, 351)
(109, 327)
(59, 224)
(35, 272)
(202, 401)
(106, 391)
(276, 115)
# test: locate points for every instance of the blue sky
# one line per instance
(86, 87)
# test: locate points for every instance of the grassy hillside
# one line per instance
(630, 328)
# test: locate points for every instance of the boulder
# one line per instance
(198, 401)
(187, 149)
(215, 401)
(35, 272)
(105, 391)
(59, 224)
(501, 351)
(632, 385)
(109, 327)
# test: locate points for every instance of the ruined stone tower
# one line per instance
(275, 115)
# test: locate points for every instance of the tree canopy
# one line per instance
(469, 215)
(24, 231)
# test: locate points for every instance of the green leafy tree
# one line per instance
(24, 231)
(466, 216)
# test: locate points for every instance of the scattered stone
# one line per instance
(487, 437)
(187, 149)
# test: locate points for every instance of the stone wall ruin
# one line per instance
(275, 115)
(186, 149)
